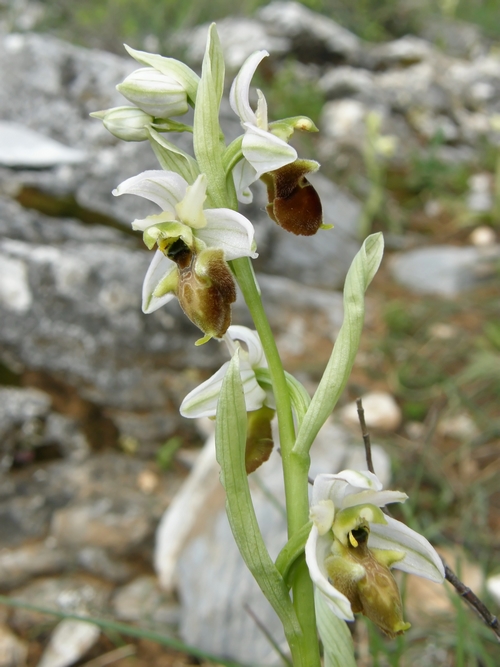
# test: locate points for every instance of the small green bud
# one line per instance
(155, 93)
(127, 123)
(293, 202)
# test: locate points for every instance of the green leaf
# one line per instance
(208, 140)
(172, 158)
(360, 274)
(292, 550)
(335, 635)
(179, 71)
(298, 394)
(230, 439)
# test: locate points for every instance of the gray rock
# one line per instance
(239, 37)
(70, 641)
(108, 510)
(19, 565)
(100, 522)
(27, 423)
(402, 52)
(141, 601)
(96, 560)
(314, 37)
(22, 147)
(457, 38)
(346, 81)
(71, 307)
(13, 651)
(75, 594)
(444, 270)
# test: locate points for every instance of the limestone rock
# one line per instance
(314, 37)
(22, 147)
(68, 643)
(381, 411)
(444, 270)
(19, 565)
(75, 594)
(13, 651)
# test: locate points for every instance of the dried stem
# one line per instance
(267, 634)
(366, 435)
(479, 607)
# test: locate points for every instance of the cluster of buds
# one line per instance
(195, 240)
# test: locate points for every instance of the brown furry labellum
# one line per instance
(206, 287)
(293, 202)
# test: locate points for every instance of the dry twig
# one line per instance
(471, 598)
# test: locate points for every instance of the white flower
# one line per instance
(182, 219)
(202, 401)
(355, 544)
(263, 150)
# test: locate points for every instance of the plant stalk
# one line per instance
(295, 468)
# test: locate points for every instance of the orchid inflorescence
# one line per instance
(203, 250)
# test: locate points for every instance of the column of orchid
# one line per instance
(344, 546)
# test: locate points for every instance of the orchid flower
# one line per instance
(293, 202)
(260, 406)
(263, 150)
(352, 545)
(194, 245)
(202, 401)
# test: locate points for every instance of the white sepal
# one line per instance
(317, 550)
(240, 90)
(158, 270)
(420, 557)
(164, 188)
(230, 231)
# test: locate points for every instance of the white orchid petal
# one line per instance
(165, 188)
(202, 400)
(322, 515)
(378, 498)
(244, 175)
(190, 209)
(265, 151)
(316, 551)
(228, 230)
(261, 113)
(358, 480)
(240, 90)
(420, 557)
(255, 352)
(322, 488)
(160, 268)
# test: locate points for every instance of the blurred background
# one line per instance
(406, 96)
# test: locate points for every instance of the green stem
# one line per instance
(295, 466)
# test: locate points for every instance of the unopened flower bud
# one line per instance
(155, 93)
(293, 202)
(127, 123)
